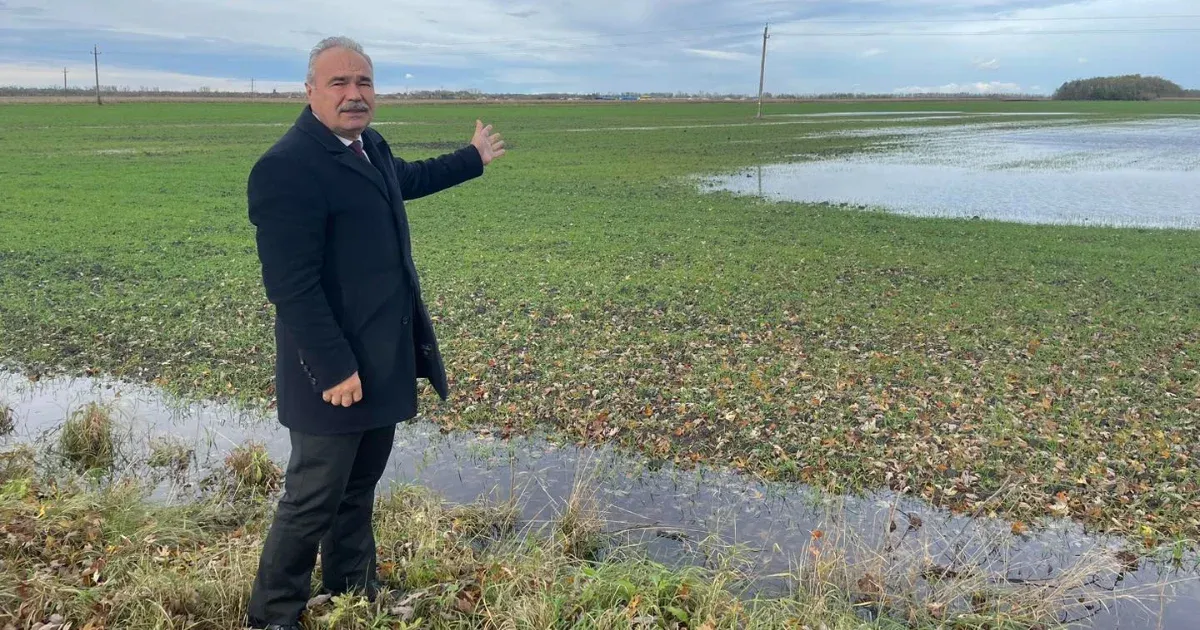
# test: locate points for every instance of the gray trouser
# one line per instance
(329, 494)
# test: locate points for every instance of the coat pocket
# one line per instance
(429, 362)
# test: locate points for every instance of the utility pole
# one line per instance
(64, 79)
(96, 60)
(762, 70)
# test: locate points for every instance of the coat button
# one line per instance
(404, 320)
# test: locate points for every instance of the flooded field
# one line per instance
(1133, 174)
(604, 299)
(678, 516)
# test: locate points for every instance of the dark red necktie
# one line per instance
(358, 148)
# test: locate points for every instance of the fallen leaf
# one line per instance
(405, 613)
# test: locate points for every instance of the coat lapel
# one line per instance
(391, 188)
(379, 158)
(348, 158)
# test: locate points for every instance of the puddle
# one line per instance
(824, 118)
(867, 113)
(919, 114)
(667, 510)
(938, 130)
(695, 126)
(1132, 174)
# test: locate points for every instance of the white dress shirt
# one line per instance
(348, 142)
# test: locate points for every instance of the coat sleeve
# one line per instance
(289, 212)
(425, 177)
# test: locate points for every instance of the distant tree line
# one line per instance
(475, 95)
(910, 96)
(1130, 87)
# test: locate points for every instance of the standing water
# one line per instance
(1130, 174)
(677, 516)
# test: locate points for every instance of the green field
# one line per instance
(584, 288)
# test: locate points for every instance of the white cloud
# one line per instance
(618, 44)
(45, 75)
(996, 28)
(41, 75)
(445, 32)
(723, 55)
(408, 75)
(981, 87)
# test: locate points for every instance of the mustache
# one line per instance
(354, 106)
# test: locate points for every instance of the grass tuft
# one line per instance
(580, 525)
(250, 471)
(17, 468)
(87, 438)
(170, 454)
(7, 421)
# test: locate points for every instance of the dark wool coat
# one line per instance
(333, 242)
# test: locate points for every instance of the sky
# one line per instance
(606, 46)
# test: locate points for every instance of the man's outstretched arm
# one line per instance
(425, 177)
(289, 212)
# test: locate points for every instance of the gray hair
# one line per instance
(330, 43)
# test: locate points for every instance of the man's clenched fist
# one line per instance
(345, 393)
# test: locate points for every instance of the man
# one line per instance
(352, 332)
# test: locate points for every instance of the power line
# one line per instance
(989, 33)
(531, 49)
(526, 40)
(812, 20)
(800, 21)
(530, 46)
(997, 19)
(740, 25)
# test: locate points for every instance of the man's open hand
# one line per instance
(489, 144)
(345, 393)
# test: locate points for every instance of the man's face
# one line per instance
(342, 93)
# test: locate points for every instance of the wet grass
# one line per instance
(170, 454)
(580, 527)
(250, 471)
(584, 287)
(79, 554)
(106, 558)
(8, 423)
(87, 440)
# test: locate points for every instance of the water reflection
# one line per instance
(1134, 174)
(675, 514)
